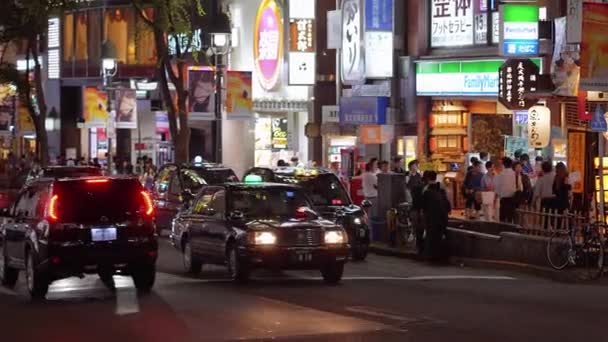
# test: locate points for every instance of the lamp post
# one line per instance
(220, 45)
(109, 67)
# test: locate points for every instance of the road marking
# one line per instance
(126, 296)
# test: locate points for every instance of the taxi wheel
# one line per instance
(192, 264)
(332, 273)
(8, 275)
(37, 282)
(238, 269)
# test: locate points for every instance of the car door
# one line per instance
(215, 228)
(11, 229)
(197, 220)
(25, 221)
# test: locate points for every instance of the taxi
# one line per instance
(252, 225)
(329, 198)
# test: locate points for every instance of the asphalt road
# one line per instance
(383, 299)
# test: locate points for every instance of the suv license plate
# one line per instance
(303, 256)
(103, 234)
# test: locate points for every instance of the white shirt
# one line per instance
(370, 182)
(504, 184)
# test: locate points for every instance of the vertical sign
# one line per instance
(126, 114)
(539, 127)
(239, 104)
(452, 23)
(54, 44)
(576, 159)
(353, 60)
(519, 30)
(379, 38)
(268, 44)
(302, 61)
(594, 48)
(517, 78)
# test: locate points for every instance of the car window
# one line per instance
(20, 204)
(43, 197)
(267, 175)
(192, 180)
(203, 201)
(325, 190)
(264, 202)
(175, 188)
(218, 203)
(26, 204)
(163, 179)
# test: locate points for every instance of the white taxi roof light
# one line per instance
(253, 179)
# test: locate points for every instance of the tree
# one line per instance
(173, 20)
(24, 22)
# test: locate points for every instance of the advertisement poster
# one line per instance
(594, 47)
(576, 159)
(126, 114)
(279, 134)
(452, 23)
(268, 44)
(95, 104)
(239, 104)
(565, 70)
(201, 87)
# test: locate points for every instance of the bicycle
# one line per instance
(582, 247)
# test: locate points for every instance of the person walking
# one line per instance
(561, 188)
(472, 187)
(543, 189)
(370, 190)
(506, 185)
(398, 165)
(524, 195)
(384, 167)
(436, 208)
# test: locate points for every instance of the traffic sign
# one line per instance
(598, 123)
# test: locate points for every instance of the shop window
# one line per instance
(448, 119)
(448, 142)
(68, 37)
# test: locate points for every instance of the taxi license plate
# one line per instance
(103, 234)
(303, 256)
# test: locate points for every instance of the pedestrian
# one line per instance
(147, 178)
(398, 165)
(506, 185)
(561, 188)
(414, 185)
(96, 162)
(374, 164)
(384, 167)
(295, 161)
(483, 158)
(436, 208)
(471, 189)
(543, 189)
(282, 163)
(488, 196)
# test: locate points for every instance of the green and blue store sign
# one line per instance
(460, 78)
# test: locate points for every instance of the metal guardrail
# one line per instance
(545, 222)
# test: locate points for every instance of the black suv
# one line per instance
(330, 199)
(176, 184)
(246, 226)
(63, 228)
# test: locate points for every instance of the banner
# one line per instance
(239, 104)
(576, 159)
(594, 47)
(565, 70)
(201, 102)
(95, 108)
(126, 112)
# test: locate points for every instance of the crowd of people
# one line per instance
(496, 189)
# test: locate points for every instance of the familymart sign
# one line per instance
(460, 78)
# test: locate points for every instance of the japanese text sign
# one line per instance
(268, 44)
(363, 110)
(452, 23)
(539, 127)
(517, 78)
(353, 60)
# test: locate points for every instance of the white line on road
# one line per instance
(126, 296)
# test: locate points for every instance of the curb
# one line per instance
(394, 252)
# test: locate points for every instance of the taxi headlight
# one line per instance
(357, 221)
(264, 238)
(335, 237)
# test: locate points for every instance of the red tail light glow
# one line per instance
(149, 210)
(336, 201)
(97, 181)
(53, 202)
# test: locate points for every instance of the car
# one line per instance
(176, 184)
(70, 227)
(252, 225)
(58, 172)
(330, 199)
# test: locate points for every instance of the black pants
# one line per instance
(435, 244)
(508, 207)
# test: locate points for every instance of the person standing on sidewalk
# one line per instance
(543, 189)
(436, 208)
(488, 195)
(370, 187)
(472, 188)
(506, 184)
(414, 185)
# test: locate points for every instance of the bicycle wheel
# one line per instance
(593, 257)
(559, 249)
(404, 229)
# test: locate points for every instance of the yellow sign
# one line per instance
(95, 104)
(576, 159)
(268, 43)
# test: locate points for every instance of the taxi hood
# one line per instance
(289, 224)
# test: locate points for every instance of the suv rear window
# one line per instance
(84, 201)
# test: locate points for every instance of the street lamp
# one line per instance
(109, 67)
(220, 33)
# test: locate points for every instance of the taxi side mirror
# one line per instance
(236, 215)
(365, 204)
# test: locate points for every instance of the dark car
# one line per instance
(247, 226)
(70, 227)
(175, 185)
(330, 199)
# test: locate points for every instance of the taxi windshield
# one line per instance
(324, 189)
(216, 176)
(269, 202)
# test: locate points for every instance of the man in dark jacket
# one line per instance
(414, 186)
(436, 208)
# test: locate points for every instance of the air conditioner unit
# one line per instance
(597, 96)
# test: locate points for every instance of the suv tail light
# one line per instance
(148, 207)
(53, 213)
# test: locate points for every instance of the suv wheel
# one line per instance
(332, 272)
(144, 276)
(192, 264)
(8, 275)
(238, 269)
(36, 280)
